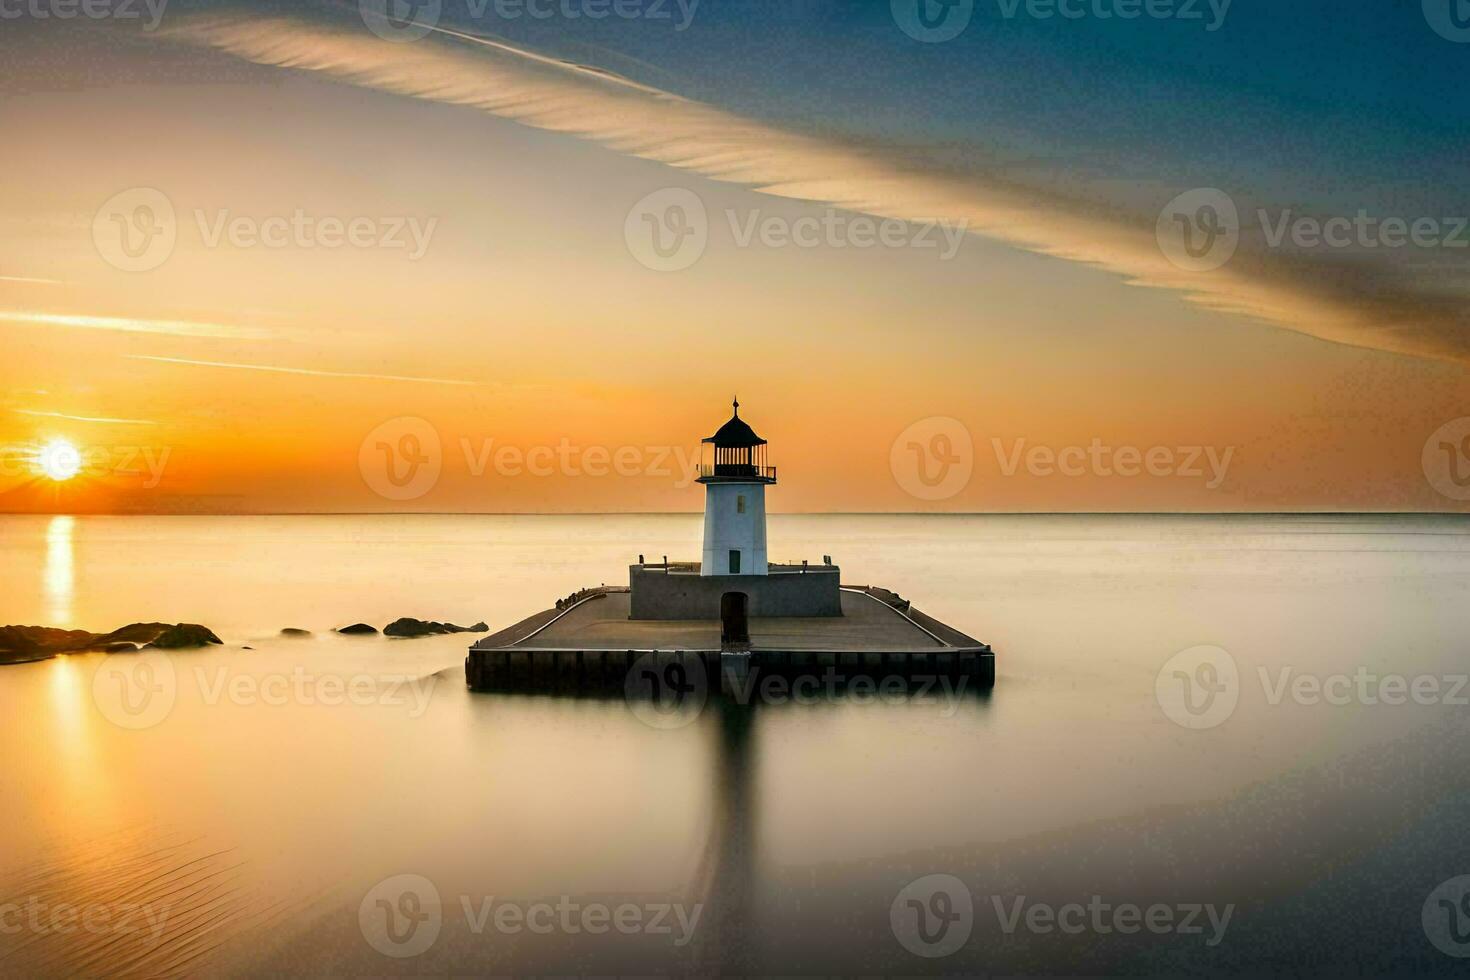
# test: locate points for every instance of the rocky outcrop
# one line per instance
(19, 644)
(420, 627)
(293, 631)
(183, 635)
(358, 629)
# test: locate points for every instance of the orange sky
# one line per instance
(249, 378)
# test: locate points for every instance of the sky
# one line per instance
(512, 256)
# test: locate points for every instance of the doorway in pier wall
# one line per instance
(734, 618)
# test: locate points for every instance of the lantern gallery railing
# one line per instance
(738, 470)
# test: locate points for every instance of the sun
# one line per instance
(59, 460)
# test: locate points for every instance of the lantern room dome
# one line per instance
(735, 434)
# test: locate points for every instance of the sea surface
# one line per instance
(343, 805)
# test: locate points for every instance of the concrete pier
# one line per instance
(594, 644)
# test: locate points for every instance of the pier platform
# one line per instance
(594, 641)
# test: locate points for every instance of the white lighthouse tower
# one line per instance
(735, 477)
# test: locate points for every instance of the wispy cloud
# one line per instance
(180, 328)
(312, 372)
(82, 418)
(33, 279)
(1361, 302)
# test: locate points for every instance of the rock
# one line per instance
(42, 639)
(23, 643)
(183, 635)
(135, 633)
(451, 628)
(247, 648)
(358, 629)
(293, 631)
(412, 627)
(427, 627)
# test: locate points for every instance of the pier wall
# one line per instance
(662, 594)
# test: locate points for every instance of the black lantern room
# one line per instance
(735, 453)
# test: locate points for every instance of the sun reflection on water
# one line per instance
(60, 571)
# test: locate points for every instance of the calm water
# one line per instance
(253, 821)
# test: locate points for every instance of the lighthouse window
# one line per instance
(740, 503)
(734, 562)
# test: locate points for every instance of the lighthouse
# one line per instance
(733, 582)
(735, 476)
(722, 619)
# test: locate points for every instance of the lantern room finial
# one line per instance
(736, 403)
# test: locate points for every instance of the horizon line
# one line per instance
(805, 513)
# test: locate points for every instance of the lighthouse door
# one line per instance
(734, 627)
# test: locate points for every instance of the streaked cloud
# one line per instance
(179, 328)
(1361, 300)
(81, 418)
(312, 372)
